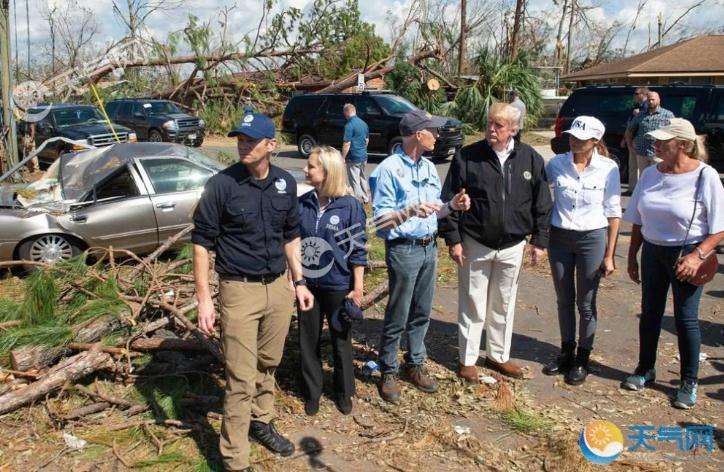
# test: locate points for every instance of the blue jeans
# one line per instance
(657, 273)
(411, 272)
(575, 258)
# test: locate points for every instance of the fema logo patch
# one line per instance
(248, 118)
(400, 173)
(527, 175)
(334, 219)
(281, 185)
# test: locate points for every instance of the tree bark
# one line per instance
(517, 23)
(70, 369)
(38, 357)
(461, 51)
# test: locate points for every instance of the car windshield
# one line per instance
(160, 108)
(204, 161)
(394, 104)
(77, 116)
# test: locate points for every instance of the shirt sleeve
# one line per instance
(348, 132)
(612, 194)
(449, 227)
(291, 224)
(382, 187)
(542, 204)
(358, 221)
(632, 213)
(207, 216)
(713, 197)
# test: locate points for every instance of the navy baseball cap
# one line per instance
(256, 126)
(344, 315)
(418, 120)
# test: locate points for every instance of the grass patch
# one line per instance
(524, 421)
(169, 458)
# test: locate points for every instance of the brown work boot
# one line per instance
(509, 368)
(417, 375)
(469, 373)
(389, 388)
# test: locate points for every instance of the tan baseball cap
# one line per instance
(678, 128)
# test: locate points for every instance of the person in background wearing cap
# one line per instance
(248, 215)
(677, 213)
(654, 117)
(510, 201)
(334, 257)
(406, 205)
(519, 105)
(583, 235)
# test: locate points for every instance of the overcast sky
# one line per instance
(378, 12)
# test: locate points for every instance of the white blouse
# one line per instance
(585, 201)
(663, 204)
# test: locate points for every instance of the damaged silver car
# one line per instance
(129, 196)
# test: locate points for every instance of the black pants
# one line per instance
(310, 334)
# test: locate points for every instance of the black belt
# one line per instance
(263, 279)
(414, 242)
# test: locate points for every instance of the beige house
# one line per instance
(698, 60)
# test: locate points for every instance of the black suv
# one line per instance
(157, 120)
(703, 105)
(82, 123)
(318, 119)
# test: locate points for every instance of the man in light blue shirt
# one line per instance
(406, 206)
(354, 152)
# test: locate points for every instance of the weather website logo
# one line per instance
(601, 442)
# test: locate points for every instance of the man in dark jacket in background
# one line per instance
(510, 200)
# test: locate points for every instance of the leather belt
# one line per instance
(414, 242)
(263, 279)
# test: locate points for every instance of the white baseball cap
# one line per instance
(678, 128)
(587, 127)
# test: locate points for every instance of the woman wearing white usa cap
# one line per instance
(677, 212)
(584, 230)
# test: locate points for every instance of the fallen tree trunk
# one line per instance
(39, 357)
(372, 297)
(69, 370)
(167, 344)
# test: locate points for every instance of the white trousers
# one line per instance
(488, 283)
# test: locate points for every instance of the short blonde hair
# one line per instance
(506, 112)
(335, 172)
(696, 149)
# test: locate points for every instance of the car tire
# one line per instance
(48, 248)
(155, 136)
(394, 142)
(305, 143)
(198, 143)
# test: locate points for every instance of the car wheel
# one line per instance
(198, 143)
(155, 136)
(393, 144)
(48, 248)
(305, 145)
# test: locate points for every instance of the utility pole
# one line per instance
(11, 143)
(661, 29)
(461, 53)
(517, 25)
(570, 36)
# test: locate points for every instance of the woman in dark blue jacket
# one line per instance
(334, 256)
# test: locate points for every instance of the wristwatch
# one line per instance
(300, 283)
(702, 256)
(450, 206)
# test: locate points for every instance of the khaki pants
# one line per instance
(642, 162)
(487, 291)
(358, 181)
(254, 321)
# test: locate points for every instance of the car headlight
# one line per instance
(170, 124)
(202, 123)
(132, 138)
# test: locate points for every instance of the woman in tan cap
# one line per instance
(677, 212)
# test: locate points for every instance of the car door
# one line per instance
(176, 185)
(332, 121)
(714, 126)
(140, 121)
(124, 115)
(371, 114)
(118, 213)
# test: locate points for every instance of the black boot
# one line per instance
(269, 437)
(577, 375)
(563, 362)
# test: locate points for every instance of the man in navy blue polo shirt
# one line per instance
(354, 152)
(248, 215)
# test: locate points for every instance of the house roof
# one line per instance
(703, 56)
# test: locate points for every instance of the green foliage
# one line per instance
(524, 421)
(53, 334)
(168, 458)
(9, 310)
(39, 304)
(405, 81)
